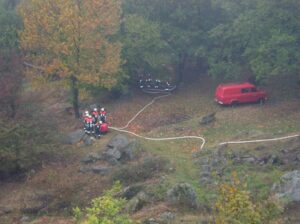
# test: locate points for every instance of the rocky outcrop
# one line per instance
(119, 148)
(182, 194)
(103, 170)
(167, 217)
(289, 186)
(91, 157)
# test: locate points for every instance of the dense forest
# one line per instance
(226, 39)
(87, 48)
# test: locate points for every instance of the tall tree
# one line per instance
(72, 39)
(260, 36)
(143, 47)
(183, 27)
(9, 25)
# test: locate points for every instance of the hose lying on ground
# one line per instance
(121, 129)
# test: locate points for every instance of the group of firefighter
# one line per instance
(147, 82)
(95, 122)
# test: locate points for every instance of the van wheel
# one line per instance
(261, 101)
(234, 103)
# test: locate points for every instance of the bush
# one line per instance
(235, 206)
(104, 210)
(24, 140)
(141, 171)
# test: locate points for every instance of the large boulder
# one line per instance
(91, 157)
(118, 142)
(289, 186)
(182, 194)
(74, 137)
(119, 148)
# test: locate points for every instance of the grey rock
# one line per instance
(285, 151)
(113, 161)
(206, 168)
(264, 160)
(24, 219)
(89, 141)
(260, 148)
(75, 137)
(127, 153)
(275, 160)
(118, 142)
(151, 221)
(119, 149)
(182, 194)
(131, 191)
(113, 153)
(205, 174)
(208, 119)
(248, 159)
(289, 186)
(137, 202)
(298, 157)
(85, 170)
(101, 170)
(167, 217)
(91, 157)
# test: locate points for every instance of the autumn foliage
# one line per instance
(236, 206)
(72, 41)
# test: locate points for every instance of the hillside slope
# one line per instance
(61, 184)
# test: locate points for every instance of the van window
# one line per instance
(246, 90)
(253, 89)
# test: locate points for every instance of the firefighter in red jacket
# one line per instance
(103, 115)
(95, 115)
(101, 128)
(85, 118)
(88, 122)
(97, 129)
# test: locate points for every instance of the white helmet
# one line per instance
(102, 109)
(95, 109)
(86, 112)
(100, 122)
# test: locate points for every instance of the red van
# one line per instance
(235, 93)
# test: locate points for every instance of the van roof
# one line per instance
(236, 85)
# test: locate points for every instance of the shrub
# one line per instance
(104, 210)
(25, 140)
(235, 206)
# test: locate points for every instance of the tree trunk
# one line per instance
(75, 94)
(13, 108)
(181, 67)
